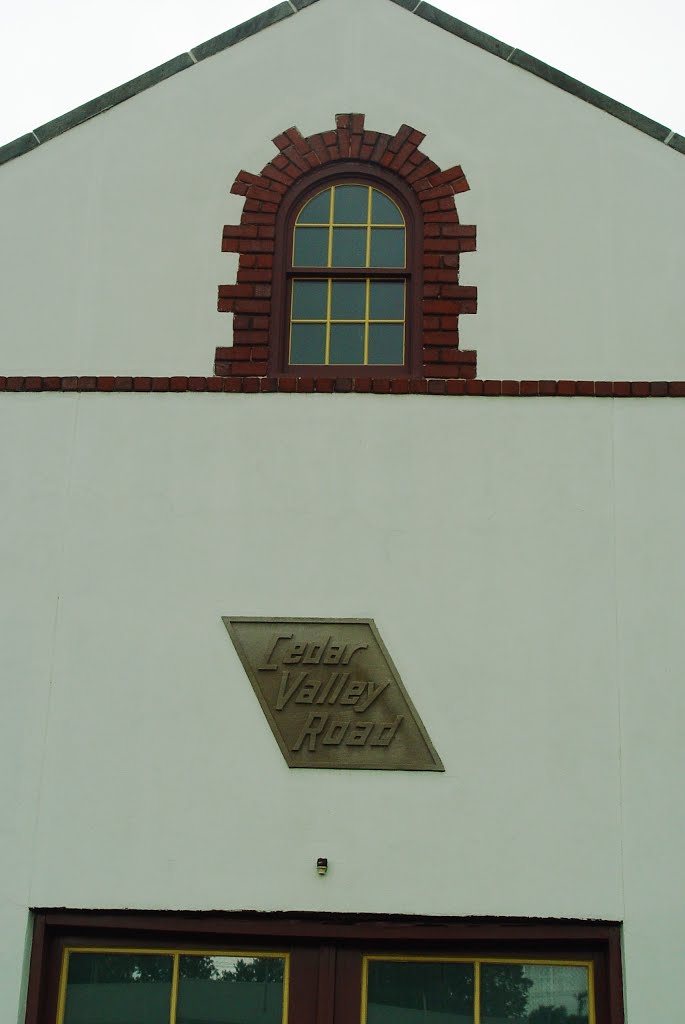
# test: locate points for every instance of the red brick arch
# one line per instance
(443, 299)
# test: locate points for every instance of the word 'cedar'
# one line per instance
(302, 653)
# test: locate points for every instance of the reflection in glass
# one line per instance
(402, 992)
(118, 988)
(349, 247)
(316, 211)
(348, 300)
(308, 343)
(386, 300)
(347, 343)
(350, 205)
(230, 990)
(311, 247)
(383, 210)
(534, 994)
(387, 247)
(309, 300)
(386, 344)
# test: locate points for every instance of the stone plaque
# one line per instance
(331, 694)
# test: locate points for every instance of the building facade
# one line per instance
(424, 460)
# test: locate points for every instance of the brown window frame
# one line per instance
(327, 950)
(345, 172)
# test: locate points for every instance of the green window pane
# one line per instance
(533, 994)
(230, 990)
(415, 993)
(350, 205)
(349, 247)
(308, 343)
(387, 247)
(311, 247)
(347, 343)
(309, 300)
(348, 300)
(117, 988)
(386, 300)
(317, 210)
(383, 210)
(386, 344)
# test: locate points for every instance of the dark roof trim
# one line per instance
(524, 60)
(145, 81)
(424, 10)
(112, 98)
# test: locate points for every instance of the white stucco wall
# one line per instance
(521, 558)
(536, 627)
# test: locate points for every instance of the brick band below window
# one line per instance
(378, 386)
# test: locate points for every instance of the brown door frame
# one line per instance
(326, 949)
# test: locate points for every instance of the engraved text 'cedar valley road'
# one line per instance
(331, 694)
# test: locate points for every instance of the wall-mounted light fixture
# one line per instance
(322, 865)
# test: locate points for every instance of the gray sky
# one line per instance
(60, 53)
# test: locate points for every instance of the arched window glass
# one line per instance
(348, 279)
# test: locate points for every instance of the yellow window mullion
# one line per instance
(174, 989)
(368, 281)
(329, 299)
(292, 302)
(62, 997)
(327, 354)
(591, 993)
(330, 227)
(476, 992)
(367, 305)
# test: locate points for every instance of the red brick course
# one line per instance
(250, 377)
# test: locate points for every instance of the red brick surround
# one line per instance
(441, 239)
(377, 385)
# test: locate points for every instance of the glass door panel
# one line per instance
(551, 993)
(115, 988)
(231, 990)
(172, 987)
(421, 990)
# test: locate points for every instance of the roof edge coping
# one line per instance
(409, 5)
(110, 99)
(645, 124)
(426, 11)
(460, 28)
(677, 142)
(525, 61)
(17, 147)
(86, 111)
(243, 31)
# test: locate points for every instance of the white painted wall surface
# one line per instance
(520, 573)
(522, 558)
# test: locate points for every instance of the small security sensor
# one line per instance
(322, 865)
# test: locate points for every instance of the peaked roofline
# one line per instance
(285, 9)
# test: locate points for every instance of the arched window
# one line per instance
(348, 279)
(348, 275)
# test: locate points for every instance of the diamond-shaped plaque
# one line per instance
(331, 694)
